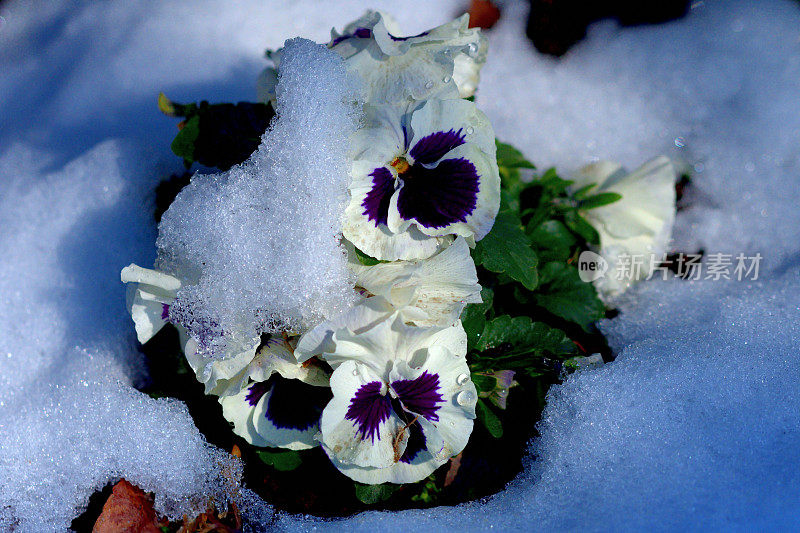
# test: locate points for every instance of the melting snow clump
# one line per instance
(258, 245)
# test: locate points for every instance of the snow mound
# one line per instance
(70, 421)
(262, 238)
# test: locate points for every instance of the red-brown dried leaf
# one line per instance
(483, 14)
(128, 510)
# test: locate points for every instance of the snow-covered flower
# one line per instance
(420, 175)
(635, 230)
(440, 286)
(148, 298)
(396, 69)
(403, 402)
(282, 404)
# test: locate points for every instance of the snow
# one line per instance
(695, 424)
(263, 236)
(69, 419)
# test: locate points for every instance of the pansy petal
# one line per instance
(647, 204)
(396, 68)
(452, 115)
(377, 241)
(220, 376)
(449, 205)
(149, 300)
(238, 411)
(467, 67)
(639, 225)
(359, 426)
(287, 415)
(360, 317)
(278, 355)
(440, 286)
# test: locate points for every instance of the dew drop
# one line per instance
(447, 79)
(465, 397)
(473, 49)
(470, 130)
(429, 85)
(463, 378)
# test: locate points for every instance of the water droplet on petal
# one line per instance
(447, 79)
(473, 49)
(470, 130)
(429, 85)
(463, 378)
(465, 397)
(355, 372)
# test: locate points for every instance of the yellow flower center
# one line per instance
(400, 165)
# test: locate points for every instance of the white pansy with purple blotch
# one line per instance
(149, 296)
(421, 175)
(395, 69)
(281, 403)
(638, 226)
(403, 402)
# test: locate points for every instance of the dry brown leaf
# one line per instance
(128, 510)
(483, 14)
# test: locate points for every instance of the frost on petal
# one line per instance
(149, 300)
(638, 225)
(440, 286)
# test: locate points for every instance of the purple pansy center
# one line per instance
(292, 404)
(434, 192)
(419, 397)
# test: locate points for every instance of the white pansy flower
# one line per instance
(149, 296)
(440, 286)
(403, 402)
(432, 292)
(281, 400)
(228, 375)
(396, 69)
(365, 315)
(420, 176)
(635, 230)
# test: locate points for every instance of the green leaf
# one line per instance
(563, 294)
(365, 259)
(484, 383)
(578, 225)
(510, 157)
(183, 144)
(490, 420)
(507, 250)
(523, 334)
(372, 494)
(473, 318)
(218, 135)
(552, 239)
(283, 461)
(599, 200)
